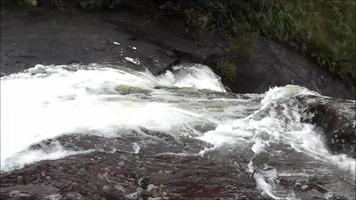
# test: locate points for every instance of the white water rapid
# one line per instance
(46, 102)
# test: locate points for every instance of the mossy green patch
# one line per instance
(227, 69)
(28, 3)
(126, 90)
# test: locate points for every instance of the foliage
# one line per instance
(245, 42)
(199, 19)
(227, 69)
(324, 29)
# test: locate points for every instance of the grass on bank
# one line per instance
(323, 29)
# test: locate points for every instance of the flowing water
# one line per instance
(47, 102)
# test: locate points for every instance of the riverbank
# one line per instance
(42, 36)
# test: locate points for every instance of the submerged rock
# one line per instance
(125, 175)
(162, 169)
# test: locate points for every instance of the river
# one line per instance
(46, 103)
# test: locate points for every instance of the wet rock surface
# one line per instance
(336, 117)
(155, 165)
(69, 36)
(123, 173)
(273, 64)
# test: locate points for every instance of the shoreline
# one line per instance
(71, 36)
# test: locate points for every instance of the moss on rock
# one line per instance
(227, 69)
(126, 90)
(324, 29)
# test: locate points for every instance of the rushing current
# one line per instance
(46, 102)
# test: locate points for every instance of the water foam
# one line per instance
(278, 121)
(48, 101)
(45, 102)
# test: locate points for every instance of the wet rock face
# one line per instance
(69, 36)
(336, 118)
(273, 64)
(156, 166)
(49, 37)
(127, 174)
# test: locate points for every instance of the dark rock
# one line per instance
(111, 194)
(310, 187)
(171, 176)
(337, 119)
(71, 36)
(143, 182)
(166, 167)
(275, 65)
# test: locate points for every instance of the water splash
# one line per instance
(46, 102)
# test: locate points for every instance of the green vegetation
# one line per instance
(322, 29)
(227, 70)
(325, 30)
(245, 42)
(28, 3)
